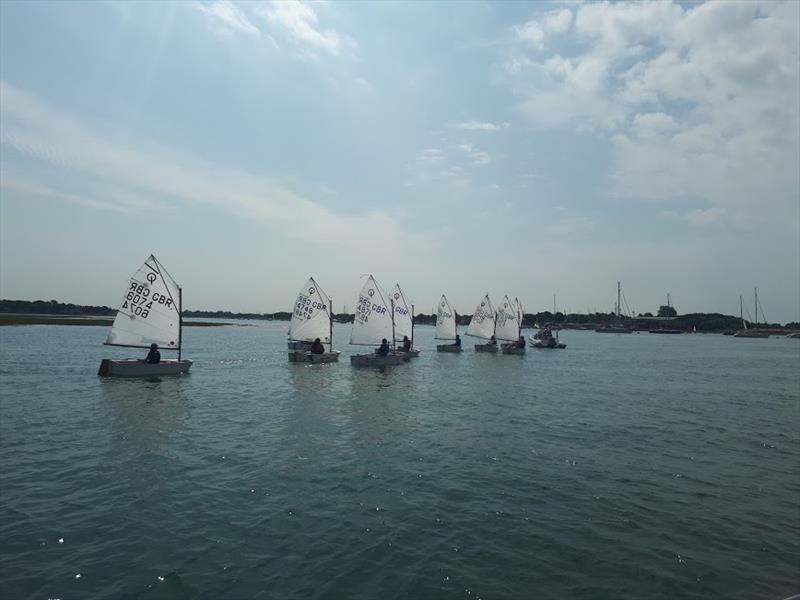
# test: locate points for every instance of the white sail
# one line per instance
(482, 323)
(520, 311)
(373, 316)
(507, 321)
(402, 314)
(311, 318)
(445, 321)
(150, 310)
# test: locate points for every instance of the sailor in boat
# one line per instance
(492, 341)
(458, 341)
(520, 343)
(406, 344)
(317, 347)
(153, 356)
(384, 348)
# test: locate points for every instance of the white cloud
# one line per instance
(483, 126)
(534, 32)
(431, 155)
(699, 104)
(478, 157)
(115, 173)
(699, 218)
(557, 21)
(299, 22)
(226, 19)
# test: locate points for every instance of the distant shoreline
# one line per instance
(52, 312)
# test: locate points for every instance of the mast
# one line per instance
(180, 321)
(392, 302)
(330, 322)
(741, 312)
(756, 305)
(412, 325)
(619, 291)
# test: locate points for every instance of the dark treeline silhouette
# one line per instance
(699, 321)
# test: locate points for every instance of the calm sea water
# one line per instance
(633, 466)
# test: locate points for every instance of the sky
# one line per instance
(530, 149)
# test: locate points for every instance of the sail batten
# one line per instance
(373, 316)
(483, 317)
(311, 318)
(445, 321)
(149, 313)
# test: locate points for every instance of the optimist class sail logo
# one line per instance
(311, 291)
(370, 293)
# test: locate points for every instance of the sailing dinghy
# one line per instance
(312, 319)
(403, 322)
(150, 313)
(509, 327)
(447, 327)
(482, 325)
(374, 322)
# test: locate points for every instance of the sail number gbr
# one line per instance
(139, 301)
(366, 307)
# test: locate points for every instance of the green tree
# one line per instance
(667, 311)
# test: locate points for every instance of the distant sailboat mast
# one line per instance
(741, 312)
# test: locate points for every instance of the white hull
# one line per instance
(512, 349)
(138, 368)
(310, 357)
(448, 348)
(376, 360)
(751, 333)
(492, 348)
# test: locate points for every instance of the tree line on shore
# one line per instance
(699, 321)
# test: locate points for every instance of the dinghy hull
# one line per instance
(309, 357)
(558, 346)
(375, 360)
(138, 368)
(513, 349)
(408, 355)
(491, 348)
(448, 348)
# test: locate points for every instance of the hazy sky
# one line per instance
(522, 149)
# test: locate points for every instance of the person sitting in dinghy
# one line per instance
(153, 356)
(384, 349)
(492, 341)
(458, 341)
(406, 344)
(317, 347)
(520, 343)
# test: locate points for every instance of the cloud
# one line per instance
(534, 32)
(300, 24)
(431, 155)
(226, 19)
(699, 218)
(121, 171)
(698, 104)
(482, 126)
(477, 157)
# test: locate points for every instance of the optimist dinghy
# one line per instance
(150, 313)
